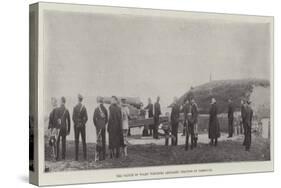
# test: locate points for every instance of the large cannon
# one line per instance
(133, 101)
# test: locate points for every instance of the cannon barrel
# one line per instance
(134, 101)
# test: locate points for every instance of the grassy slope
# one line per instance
(153, 155)
(222, 90)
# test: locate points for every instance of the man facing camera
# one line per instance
(80, 118)
(100, 120)
(63, 126)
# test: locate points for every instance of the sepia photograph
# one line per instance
(137, 91)
(128, 93)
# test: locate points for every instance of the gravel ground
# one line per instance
(150, 152)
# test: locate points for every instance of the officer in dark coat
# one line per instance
(185, 110)
(193, 123)
(100, 120)
(243, 117)
(149, 107)
(230, 118)
(114, 128)
(63, 126)
(214, 128)
(175, 115)
(53, 115)
(157, 113)
(248, 125)
(80, 118)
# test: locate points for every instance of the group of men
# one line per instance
(190, 122)
(60, 125)
(246, 121)
(116, 123)
(247, 116)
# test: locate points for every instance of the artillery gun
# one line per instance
(134, 105)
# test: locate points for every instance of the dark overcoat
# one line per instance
(230, 111)
(64, 120)
(194, 114)
(53, 119)
(214, 127)
(114, 127)
(175, 114)
(248, 116)
(157, 109)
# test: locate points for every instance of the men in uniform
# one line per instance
(175, 115)
(53, 115)
(248, 125)
(185, 110)
(125, 125)
(52, 127)
(214, 127)
(114, 128)
(186, 123)
(243, 116)
(100, 120)
(194, 123)
(63, 125)
(157, 113)
(230, 118)
(149, 107)
(80, 118)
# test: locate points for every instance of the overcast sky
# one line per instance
(96, 54)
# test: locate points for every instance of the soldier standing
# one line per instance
(149, 107)
(114, 128)
(53, 116)
(248, 125)
(63, 126)
(185, 110)
(214, 128)
(243, 116)
(194, 123)
(80, 117)
(100, 119)
(125, 125)
(175, 115)
(230, 118)
(157, 113)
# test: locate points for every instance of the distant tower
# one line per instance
(210, 79)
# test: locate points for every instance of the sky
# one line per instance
(142, 56)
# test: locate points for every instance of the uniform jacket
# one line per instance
(157, 110)
(194, 113)
(79, 116)
(53, 119)
(248, 115)
(63, 120)
(175, 114)
(100, 117)
(185, 110)
(230, 110)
